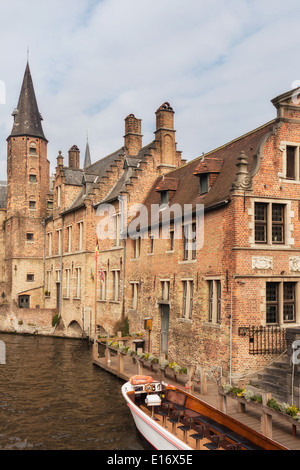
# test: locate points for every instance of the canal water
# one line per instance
(53, 398)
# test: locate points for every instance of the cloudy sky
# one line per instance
(93, 62)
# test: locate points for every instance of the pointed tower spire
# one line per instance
(27, 118)
(87, 158)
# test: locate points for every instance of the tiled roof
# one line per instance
(73, 176)
(167, 184)
(188, 189)
(209, 165)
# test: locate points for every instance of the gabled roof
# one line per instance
(27, 118)
(223, 159)
(89, 176)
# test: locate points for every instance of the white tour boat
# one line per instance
(169, 418)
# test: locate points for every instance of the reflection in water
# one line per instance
(52, 397)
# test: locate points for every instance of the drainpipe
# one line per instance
(44, 257)
(230, 342)
(61, 265)
(120, 199)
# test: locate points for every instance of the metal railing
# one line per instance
(265, 340)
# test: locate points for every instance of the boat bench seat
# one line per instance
(220, 428)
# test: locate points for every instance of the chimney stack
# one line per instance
(60, 159)
(165, 117)
(74, 157)
(133, 137)
(165, 137)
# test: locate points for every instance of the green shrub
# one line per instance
(55, 320)
(272, 403)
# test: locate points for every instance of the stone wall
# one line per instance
(35, 322)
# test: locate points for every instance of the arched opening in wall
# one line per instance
(74, 329)
(101, 331)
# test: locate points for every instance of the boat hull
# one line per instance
(153, 432)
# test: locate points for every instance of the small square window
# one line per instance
(32, 178)
(30, 277)
(29, 236)
(32, 205)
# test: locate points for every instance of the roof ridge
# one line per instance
(223, 146)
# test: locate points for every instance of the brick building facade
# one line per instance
(242, 201)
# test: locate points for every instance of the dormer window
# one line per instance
(204, 183)
(207, 171)
(164, 198)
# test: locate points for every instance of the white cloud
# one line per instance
(218, 63)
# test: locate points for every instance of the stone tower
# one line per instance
(27, 197)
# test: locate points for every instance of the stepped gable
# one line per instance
(90, 175)
(130, 163)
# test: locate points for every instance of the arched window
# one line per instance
(32, 175)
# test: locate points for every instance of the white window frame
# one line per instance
(116, 285)
(288, 224)
(80, 235)
(187, 301)
(280, 302)
(58, 196)
(214, 300)
(59, 241)
(189, 241)
(135, 294)
(283, 147)
(68, 281)
(165, 289)
(48, 281)
(103, 287)
(78, 282)
(137, 247)
(69, 240)
(117, 225)
(49, 243)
